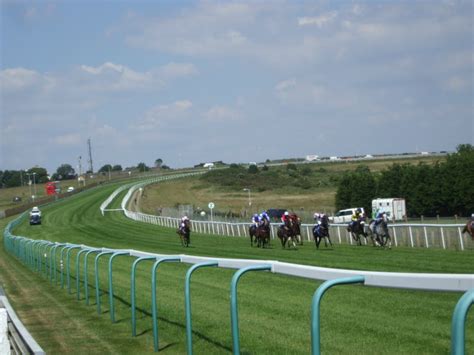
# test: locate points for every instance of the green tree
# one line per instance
(142, 167)
(158, 162)
(41, 174)
(64, 172)
(253, 169)
(117, 168)
(106, 168)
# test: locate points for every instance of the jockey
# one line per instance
(264, 217)
(182, 224)
(286, 220)
(356, 217)
(317, 218)
(256, 219)
(378, 218)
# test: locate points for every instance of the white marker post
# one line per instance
(211, 206)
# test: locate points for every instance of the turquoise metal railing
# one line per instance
(458, 328)
(316, 305)
(34, 254)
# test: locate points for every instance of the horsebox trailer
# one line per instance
(394, 207)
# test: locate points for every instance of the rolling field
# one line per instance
(274, 310)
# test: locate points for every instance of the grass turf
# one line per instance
(274, 309)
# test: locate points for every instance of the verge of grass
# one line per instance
(274, 309)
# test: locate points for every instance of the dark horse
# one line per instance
(289, 233)
(296, 225)
(185, 233)
(382, 236)
(321, 231)
(469, 228)
(358, 229)
(259, 235)
(253, 234)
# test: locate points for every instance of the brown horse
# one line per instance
(321, 231)
(287, 234)
(358, 229)
(296, 226)
(469, 228)
(253, 234)
(185, 233)
(262, 234)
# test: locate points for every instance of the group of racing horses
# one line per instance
(290, 233)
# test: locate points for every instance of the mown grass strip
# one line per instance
(274, 309)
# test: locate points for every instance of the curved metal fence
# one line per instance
(445, 236)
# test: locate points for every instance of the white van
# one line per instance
(344, 216)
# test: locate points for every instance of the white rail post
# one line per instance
(238, 229)
(460, 238)
(411, 236)
(426, 237)
(339, 234)
(442, 238)
(307, 232)
(395, 236)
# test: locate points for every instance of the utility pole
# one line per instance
(80, 172)
(91, 168)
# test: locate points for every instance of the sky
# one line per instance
(190, 82)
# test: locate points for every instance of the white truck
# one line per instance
(395, 208)
(345, 216)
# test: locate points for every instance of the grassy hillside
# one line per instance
(303, 188)
(274, 310)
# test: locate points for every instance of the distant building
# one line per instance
(208, 165)
(333, 158)
(312, 157)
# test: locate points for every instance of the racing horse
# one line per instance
(262, 234)
(287, 233)
(185, 233)
(469, 228)
(296, 226)
(321, 231)
(358, 229)
(253, 234)
(382, 236)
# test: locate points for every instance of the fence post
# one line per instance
(86, 284)
(61, 263)
(187, 301)
(153, 298)
(96, 271)
(134, 267)
(234, 316)
(316, 305)
(458, 325)
(111, 284)
(68, 254)
(78, 275)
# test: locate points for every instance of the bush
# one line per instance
(253, 169)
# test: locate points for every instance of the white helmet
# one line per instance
(316, 215)
(286, 213)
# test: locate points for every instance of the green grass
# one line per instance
(274, 310)
(306, 189)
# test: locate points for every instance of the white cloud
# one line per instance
(161, 116)
(172, 70)
(319, 21)
(17, 79)
(114, 77)
(67, 139)
(222, 114)
(456, 83)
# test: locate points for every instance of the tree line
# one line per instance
(444, 189)
(38, 175)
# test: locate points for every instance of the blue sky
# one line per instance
(191, 82)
